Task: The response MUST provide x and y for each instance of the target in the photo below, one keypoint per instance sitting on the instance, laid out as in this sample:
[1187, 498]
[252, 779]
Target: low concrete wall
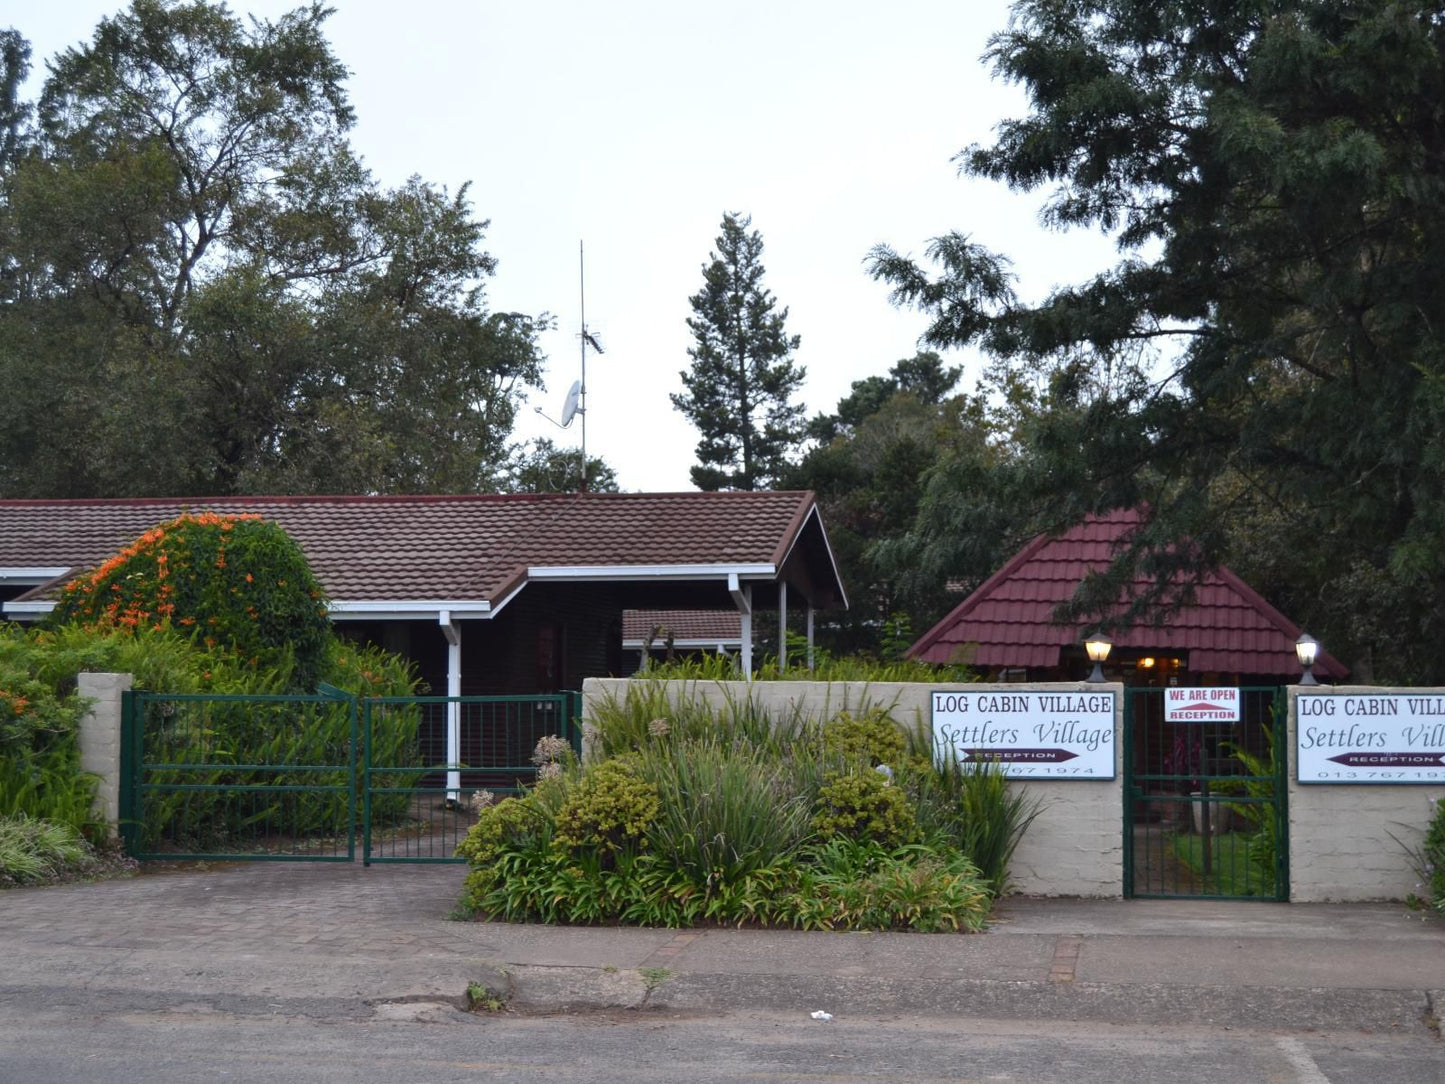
[1074, 847]
[1347, 840]
[100, 738]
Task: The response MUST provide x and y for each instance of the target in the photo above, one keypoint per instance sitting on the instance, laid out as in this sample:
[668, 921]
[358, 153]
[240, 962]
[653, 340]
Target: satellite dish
[569, 408]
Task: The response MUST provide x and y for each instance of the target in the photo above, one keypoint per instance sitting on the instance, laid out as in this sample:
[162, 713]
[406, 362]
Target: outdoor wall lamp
[1306, 650]
[1098, 650]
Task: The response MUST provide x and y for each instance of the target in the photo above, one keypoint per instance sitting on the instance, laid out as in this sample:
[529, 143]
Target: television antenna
[575, 404]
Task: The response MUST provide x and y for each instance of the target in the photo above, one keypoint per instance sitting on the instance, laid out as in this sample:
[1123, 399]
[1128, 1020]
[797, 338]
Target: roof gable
[1229, 628]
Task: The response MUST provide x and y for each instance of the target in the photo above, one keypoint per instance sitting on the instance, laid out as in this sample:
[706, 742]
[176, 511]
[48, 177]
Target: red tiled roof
[686, 626]
[1228, 629]
[440, 547]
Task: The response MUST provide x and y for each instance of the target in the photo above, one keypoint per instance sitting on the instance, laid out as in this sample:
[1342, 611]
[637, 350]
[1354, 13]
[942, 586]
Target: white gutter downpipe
[743, 598]
[782, 626]
[454, 708]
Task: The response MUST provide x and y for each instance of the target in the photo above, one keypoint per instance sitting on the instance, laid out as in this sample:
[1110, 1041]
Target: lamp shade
[1097, 648]
[1306, 650]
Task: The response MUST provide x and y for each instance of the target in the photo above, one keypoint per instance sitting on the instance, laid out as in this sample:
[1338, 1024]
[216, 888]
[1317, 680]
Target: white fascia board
[827, 547]
[513, 593]
[650, 572]
[399, 610]
[32, 574]
[410, 610]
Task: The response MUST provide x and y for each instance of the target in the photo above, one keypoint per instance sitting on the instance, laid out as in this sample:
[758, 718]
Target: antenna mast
[588, 339]
[582, 397]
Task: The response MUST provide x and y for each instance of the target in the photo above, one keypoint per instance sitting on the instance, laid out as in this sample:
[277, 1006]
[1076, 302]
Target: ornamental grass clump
[34, 851]
[1428, 859]
[723, 812]
[653, 711]
[236, 581]
[969, 806]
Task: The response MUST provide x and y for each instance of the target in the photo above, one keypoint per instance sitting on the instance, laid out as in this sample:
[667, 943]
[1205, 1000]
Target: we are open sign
[1201, 705]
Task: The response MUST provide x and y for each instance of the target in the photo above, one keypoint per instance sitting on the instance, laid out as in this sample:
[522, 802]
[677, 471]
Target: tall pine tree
[742, 379]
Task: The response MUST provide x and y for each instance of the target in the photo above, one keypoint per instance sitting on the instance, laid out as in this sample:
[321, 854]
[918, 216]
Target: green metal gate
[298, 777]
[1204, 802]
[239, 777]
[427, 759]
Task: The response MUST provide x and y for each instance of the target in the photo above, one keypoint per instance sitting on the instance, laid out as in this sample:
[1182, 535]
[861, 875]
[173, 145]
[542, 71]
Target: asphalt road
[419, 1041]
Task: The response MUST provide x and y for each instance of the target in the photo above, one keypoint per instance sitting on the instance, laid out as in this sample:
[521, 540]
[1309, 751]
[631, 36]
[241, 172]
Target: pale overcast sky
[632, 126]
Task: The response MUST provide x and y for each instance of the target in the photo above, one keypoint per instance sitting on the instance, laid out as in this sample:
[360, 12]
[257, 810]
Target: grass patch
[1233, 869]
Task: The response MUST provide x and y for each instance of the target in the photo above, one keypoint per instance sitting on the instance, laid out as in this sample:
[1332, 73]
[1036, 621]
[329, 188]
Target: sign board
[1201, 705]
[1370, 738]
[1030, 734]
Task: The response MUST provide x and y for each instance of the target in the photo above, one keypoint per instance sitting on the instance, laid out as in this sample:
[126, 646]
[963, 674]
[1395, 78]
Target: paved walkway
[344, 942]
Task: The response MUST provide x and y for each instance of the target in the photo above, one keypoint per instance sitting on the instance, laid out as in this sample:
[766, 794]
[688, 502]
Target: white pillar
[748, 633]
[810, 634]
[454, 709]
[782, 626]
[743, 600]
[100, 752]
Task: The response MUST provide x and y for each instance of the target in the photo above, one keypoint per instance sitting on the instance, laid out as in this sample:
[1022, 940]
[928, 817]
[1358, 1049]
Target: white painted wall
[1347, 840]
[100, 738]
[1073, 848]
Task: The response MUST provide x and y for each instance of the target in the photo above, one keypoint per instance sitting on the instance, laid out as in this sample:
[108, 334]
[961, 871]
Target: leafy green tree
[542, 467]
[742, 379]
[869, 470]
[205, 291]
[922, 376]
[1262, 369]
[14, 113]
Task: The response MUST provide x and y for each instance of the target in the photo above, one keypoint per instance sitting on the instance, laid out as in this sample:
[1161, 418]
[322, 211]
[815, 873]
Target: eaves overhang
[615, 573]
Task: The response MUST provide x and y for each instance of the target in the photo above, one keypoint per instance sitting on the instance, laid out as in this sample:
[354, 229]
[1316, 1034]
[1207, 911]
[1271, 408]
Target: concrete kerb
[344, 943]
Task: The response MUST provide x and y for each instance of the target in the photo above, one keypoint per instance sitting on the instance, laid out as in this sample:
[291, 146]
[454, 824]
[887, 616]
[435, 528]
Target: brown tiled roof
[439, 547]
[712, 626]
[1228, 629]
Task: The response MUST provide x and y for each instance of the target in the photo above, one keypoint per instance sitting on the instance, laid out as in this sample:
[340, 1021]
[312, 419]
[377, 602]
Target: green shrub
[864, 805]
[1428, 858]
[1434, 851]
[522, 825]
[608, 810]
[235, 581]
[842, 885]
[40, 776]
[723, 811]
[971, 806]
[861, 884]
[39, 711]
[1262, 846]
[868, 738]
